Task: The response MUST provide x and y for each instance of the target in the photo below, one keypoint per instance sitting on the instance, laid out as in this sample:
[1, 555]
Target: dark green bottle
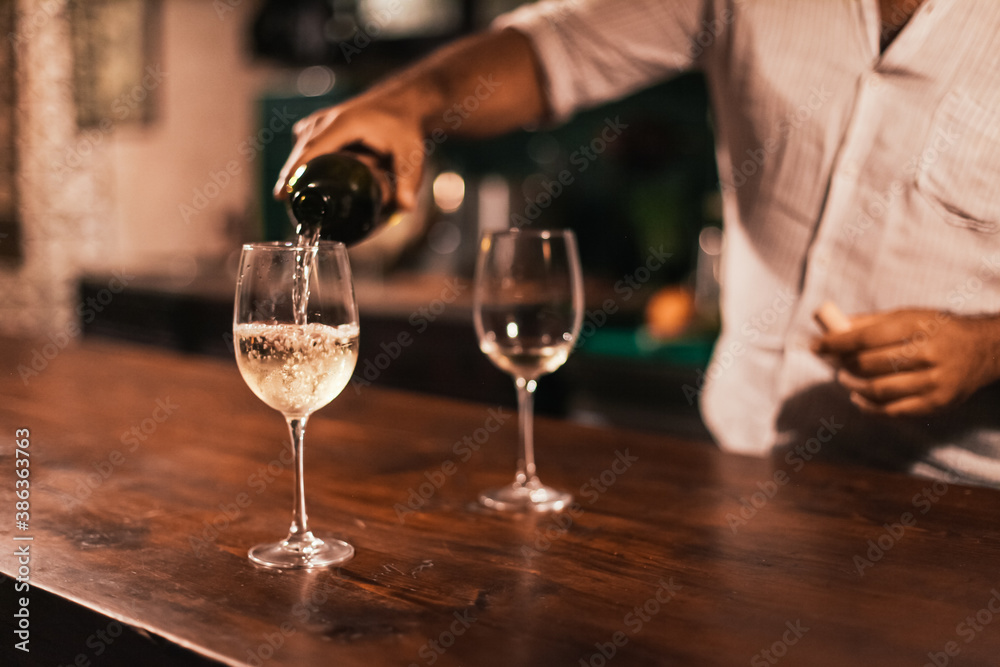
[344, 196]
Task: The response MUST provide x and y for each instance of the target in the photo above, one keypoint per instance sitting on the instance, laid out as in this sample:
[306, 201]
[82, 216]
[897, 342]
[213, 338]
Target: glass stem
[525, 418]
[299, 530]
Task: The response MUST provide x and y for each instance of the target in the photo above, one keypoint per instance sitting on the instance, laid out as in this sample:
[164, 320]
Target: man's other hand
[913, 362]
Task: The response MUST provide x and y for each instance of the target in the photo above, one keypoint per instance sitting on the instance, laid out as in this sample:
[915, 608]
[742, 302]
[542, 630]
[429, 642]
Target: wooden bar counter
[151, 473]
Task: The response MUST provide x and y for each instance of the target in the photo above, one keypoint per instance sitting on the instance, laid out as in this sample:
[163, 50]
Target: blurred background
[140, 139]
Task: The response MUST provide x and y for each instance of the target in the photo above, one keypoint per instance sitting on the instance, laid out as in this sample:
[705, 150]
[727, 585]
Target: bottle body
[343, 196]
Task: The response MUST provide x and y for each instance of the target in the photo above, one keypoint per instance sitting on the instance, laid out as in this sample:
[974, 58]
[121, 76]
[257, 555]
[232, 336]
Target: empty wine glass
[295, 330]
[527, 310]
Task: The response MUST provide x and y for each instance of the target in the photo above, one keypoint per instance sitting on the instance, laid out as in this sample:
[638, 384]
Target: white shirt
[868, 179]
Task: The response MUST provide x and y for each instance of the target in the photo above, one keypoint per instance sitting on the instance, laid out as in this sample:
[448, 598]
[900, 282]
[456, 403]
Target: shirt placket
[855, 180]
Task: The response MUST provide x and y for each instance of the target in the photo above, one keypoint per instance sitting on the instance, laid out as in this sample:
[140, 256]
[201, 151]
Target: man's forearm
[480, 86]
[991, 348]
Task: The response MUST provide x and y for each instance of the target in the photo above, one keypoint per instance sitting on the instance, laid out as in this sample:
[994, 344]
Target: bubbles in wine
[296, 369]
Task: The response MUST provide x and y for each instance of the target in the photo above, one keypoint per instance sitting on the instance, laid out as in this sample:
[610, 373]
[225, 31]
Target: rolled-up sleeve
[593, 51]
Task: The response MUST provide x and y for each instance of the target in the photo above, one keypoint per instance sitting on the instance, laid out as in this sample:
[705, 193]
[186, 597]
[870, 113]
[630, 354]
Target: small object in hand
[831, 318]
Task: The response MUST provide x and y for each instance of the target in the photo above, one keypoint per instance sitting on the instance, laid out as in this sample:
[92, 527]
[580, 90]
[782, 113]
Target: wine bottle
[342, 196]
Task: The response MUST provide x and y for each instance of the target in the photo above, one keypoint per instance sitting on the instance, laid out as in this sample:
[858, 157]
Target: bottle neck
[342, 196]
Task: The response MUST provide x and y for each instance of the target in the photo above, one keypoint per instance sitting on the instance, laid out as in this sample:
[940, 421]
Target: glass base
[526, 498]
[305, 552]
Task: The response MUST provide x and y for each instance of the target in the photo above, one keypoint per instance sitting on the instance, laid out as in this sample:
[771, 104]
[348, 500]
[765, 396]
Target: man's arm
[497, 68]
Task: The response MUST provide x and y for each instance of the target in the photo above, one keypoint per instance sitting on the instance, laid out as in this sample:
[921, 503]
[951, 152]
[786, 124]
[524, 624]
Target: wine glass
[527, 310]
[295, 331]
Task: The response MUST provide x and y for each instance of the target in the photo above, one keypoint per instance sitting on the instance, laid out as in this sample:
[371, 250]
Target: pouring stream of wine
[307, 245]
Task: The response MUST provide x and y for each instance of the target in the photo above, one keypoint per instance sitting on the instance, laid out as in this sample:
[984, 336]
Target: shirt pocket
[958, 172]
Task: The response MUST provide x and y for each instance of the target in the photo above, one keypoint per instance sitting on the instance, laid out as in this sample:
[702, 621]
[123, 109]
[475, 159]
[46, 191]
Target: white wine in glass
[295, 331]
[527, 310]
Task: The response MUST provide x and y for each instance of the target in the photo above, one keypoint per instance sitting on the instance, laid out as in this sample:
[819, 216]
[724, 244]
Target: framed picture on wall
[10, 242]
[115, 78]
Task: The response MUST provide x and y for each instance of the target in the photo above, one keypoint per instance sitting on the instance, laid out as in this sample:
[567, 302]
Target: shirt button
[873, 81]
[849, 168]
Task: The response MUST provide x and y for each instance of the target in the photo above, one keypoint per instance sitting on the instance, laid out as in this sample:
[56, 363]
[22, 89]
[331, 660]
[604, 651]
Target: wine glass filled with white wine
[295, 330]
[528, 308]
